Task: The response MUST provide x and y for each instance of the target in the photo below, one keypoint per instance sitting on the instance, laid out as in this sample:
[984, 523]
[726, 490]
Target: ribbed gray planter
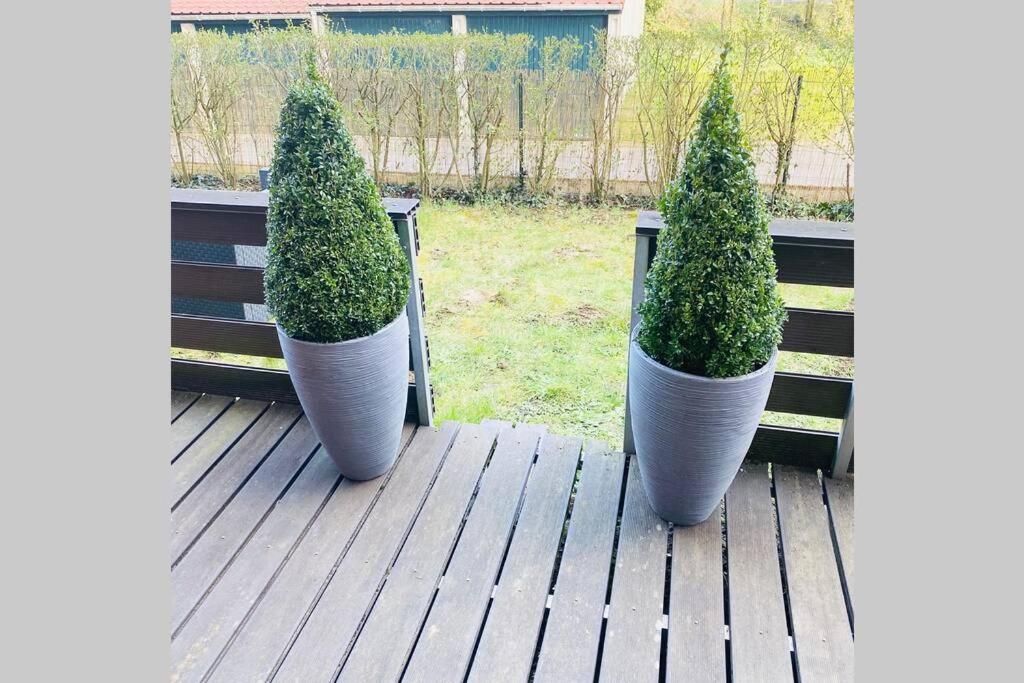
[691, 432]
[354, 394]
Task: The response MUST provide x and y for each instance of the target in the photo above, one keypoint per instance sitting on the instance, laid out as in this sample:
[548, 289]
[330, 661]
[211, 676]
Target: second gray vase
[691, 433]
[354, 394]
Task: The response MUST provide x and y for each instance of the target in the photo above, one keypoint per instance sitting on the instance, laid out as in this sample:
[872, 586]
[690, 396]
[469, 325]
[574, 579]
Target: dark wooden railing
[807, 253]
[239, 218]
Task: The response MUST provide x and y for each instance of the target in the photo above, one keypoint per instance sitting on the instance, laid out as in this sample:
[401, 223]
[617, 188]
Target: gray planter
[354, 394]
[691, 432]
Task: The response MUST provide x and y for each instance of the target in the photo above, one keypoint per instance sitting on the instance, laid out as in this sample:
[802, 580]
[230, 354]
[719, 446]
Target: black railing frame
[808, 252]
[228, 217]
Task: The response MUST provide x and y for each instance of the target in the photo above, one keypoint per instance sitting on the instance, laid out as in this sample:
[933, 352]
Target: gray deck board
[840, 504]
[205, 501]
[193, 421]
[696, 616]
[632, 643]
[341, 596]
[758, 635]
[205, 451]
[509, 638]
[568, 651]
[330, 628]
[197, 569]
[450, 631]
[180, 400]
[821, 627]
[487, 554]
[197, 644]
[387, 637]
[247, 593]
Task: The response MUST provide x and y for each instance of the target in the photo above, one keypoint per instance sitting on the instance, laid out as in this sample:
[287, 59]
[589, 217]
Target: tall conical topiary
[335, 268]
[711, 307]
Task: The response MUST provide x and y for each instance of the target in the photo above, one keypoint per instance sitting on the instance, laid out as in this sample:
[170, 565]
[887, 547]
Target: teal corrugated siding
[541, 26]
[372, 24]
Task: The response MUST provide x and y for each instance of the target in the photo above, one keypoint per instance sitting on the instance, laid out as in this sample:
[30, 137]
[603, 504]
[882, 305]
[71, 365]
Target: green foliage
[492, 65]
[670, 84]
[335, 269]
[651, 10]
[788, 206]
[213, 61]
[444, 108]
[711, 304]
[545, 95]
[429, 84]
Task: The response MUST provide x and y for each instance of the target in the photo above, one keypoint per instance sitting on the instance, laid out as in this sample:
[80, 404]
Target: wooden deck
[489, 553]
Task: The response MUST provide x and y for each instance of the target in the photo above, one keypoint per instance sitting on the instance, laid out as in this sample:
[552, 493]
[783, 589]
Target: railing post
[641, 259]
[844, 450]
[406, 229]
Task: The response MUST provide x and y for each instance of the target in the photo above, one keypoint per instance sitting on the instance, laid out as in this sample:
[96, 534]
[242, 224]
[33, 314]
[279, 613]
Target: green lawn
[527, 316]
[527, 313]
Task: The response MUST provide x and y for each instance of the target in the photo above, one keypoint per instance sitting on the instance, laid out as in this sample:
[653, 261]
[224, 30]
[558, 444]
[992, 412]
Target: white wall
[631, 22]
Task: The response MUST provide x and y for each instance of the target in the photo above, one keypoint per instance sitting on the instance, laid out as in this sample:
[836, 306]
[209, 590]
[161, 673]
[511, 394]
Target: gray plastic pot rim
[698, 378]
[379, 333]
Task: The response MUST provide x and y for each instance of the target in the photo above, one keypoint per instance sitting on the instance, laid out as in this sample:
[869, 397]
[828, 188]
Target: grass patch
[528, 310]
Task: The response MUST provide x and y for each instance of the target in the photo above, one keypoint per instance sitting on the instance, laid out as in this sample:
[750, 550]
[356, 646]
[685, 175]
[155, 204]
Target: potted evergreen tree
[337, 283]
[703, 354]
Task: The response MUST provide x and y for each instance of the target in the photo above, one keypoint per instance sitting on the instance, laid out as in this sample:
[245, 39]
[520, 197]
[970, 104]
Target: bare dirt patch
[583, 315]
[573, 251]
[475, 297]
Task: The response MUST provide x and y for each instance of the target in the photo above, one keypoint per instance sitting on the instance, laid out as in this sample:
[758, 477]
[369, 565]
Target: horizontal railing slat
[213, 226]
[227, 217]
[801, 264]
[797, 231]
[246, 382]
[806, 252]
[815, 331]
[809, 395]
[224, 335]
[227, 335]
[807, 330]
[791, 446]
[217, 282]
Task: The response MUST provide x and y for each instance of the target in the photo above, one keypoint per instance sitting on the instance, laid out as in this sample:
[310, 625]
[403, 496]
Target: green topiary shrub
[711, 305]
[335, 268]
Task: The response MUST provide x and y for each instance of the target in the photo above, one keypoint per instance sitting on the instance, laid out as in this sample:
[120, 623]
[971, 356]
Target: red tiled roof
[463, 3]
[249, 7]
[196, 7]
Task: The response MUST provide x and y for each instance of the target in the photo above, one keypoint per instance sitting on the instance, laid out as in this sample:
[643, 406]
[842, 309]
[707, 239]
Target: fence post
[406, 229]
[522, 139]
[844, 450]
[641, 260]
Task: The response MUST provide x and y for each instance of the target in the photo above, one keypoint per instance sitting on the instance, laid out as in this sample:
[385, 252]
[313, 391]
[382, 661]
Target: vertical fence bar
[522, 133]
[406, 229]
[641, 262]
[844, 450]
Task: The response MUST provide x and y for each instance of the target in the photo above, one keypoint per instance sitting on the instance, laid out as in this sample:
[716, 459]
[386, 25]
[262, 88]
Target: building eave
[236, 17]
[461, 9]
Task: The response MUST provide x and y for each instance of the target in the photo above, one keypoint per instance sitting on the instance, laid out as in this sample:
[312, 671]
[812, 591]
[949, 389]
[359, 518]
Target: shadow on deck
[493, 553]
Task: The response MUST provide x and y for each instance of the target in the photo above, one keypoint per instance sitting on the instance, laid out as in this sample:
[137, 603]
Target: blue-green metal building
[540, 20]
